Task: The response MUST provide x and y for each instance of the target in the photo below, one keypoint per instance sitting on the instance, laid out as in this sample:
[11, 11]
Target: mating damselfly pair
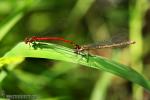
[112, 43]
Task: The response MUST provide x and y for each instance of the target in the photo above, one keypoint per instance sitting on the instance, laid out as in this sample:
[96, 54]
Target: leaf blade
[57, 52]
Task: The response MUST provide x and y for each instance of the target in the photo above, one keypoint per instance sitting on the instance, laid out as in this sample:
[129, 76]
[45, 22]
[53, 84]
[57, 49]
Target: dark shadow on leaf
[42, 45]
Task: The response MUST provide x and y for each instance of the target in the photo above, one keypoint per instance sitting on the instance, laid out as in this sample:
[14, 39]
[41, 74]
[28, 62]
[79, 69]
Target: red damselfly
[35, 38]
[113, 43]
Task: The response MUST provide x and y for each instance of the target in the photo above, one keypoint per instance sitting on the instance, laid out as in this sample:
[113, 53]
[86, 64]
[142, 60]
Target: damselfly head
[26, 40]
[78, 49]
[29, 40]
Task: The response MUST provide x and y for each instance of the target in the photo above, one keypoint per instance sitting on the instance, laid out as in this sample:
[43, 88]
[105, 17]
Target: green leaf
[57, 52]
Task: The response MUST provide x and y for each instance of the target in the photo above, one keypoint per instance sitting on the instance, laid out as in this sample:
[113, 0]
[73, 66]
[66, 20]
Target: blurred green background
[82, 21]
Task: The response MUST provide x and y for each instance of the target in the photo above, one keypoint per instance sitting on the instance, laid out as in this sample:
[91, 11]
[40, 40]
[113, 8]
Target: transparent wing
[116, 41]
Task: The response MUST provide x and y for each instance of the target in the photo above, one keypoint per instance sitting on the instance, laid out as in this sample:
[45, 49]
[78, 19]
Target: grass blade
[57, 52]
